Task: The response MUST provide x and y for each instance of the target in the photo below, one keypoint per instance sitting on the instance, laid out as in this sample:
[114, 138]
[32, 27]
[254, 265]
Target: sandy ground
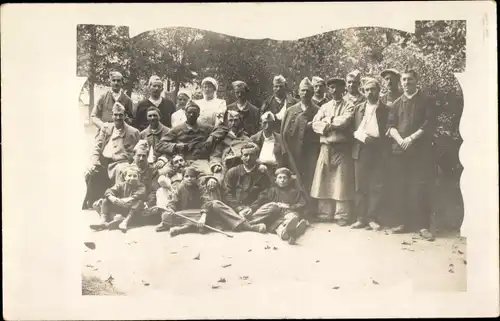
[327, 257]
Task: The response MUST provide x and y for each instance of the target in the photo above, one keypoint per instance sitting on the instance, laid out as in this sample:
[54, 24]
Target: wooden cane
[209, 227]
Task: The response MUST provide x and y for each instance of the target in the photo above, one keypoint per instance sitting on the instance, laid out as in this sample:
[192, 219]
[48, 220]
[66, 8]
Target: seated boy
[189, 200]
[122, 201]
[278, 208]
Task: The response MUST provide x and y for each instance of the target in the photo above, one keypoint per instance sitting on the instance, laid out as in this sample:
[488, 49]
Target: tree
[101, 49]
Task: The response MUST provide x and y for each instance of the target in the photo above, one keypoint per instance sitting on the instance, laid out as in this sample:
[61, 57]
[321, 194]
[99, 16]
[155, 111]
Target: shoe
[426, 235]
[284, 235]
[300, 229]
[327, 218]
[98, 227]
[260, 228]
[291, 240]
[290, 224]
[358, 225]
[399, 229]
[374, 226]
[162, 227]
[342, 222]
[175, 231]
[123, 227]
[113, 224]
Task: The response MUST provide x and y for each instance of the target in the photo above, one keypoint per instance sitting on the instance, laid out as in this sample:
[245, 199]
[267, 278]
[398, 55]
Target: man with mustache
[250, 114]
[320, 97]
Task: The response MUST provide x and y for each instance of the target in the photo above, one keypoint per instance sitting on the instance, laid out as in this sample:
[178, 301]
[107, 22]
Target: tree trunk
[92, 69]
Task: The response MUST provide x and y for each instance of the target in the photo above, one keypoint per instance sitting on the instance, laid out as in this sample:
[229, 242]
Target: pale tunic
[267, 151]
[211, 111]
[178, 118]
[334, 182]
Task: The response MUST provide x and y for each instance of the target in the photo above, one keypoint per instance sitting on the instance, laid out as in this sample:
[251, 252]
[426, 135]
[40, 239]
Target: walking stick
[209, 227]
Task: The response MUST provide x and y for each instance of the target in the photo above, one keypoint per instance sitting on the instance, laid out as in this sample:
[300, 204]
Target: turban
[356, 74]
[192, 104]
[305, 84]
[115, 74]
[240, 84]
[154, 80]
[153, 108]
[234, 113]
[212, 81]
[142, 146]
[283, 170]
[190, 170]
[370, 81]
[279, 80]
[390, 71]
[118, 108]
[317, 81]
[267, 116]
[251, 147]
[185, 93]
[336, 81]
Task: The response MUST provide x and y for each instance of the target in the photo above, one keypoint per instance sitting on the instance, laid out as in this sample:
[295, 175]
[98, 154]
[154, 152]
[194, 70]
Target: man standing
[391, 83]
[333, 183]
[300, 141]
[411, 126]
[319, 97]
[166, 106]
[228, 153]
[153, 134]
[114, 144]
[279, 101]
[250, 113]
[353, 81]
[370, 153]
[102, 112]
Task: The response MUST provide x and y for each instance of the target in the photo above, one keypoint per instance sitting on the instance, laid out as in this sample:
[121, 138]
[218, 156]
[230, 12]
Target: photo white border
[42, 191]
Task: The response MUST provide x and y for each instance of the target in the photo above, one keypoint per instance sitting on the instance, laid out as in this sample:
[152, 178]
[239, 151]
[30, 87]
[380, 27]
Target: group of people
[342, 152]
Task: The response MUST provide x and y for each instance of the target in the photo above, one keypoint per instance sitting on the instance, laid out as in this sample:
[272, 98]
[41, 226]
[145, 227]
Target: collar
[151, 131]
[408, 97]
[320, 99]
[247, 170]
[266, 137]
[243, 107]
[120, 132]
[155, 102]
[118, 94]
[193, 128]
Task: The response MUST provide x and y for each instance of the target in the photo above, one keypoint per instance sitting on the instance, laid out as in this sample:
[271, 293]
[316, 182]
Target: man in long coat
[279, 102]
[300, 141]
[333, 183]
[391, 83]
[250, 114]
[370, 153]
[411, 126]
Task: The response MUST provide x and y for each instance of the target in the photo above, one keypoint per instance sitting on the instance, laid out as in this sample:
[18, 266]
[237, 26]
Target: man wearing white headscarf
[212, 109]
[102, 112]
[166, 106]
[179, 117]
[279, 101]
[301, 143]
[333, 184]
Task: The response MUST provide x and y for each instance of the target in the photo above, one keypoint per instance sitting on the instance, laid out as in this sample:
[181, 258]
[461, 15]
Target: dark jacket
[251, 117]
[166, 107]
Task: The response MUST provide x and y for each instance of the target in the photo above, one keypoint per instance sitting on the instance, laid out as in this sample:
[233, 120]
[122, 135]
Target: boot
[259, 228]
[162, 227]
[300, 228]
[359, 224]
[176, 230]
[100, 226]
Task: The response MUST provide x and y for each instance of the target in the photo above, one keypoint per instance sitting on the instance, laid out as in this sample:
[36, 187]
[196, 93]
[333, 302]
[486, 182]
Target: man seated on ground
[227, 153]
[280, 208]
[153, 134]
[272, 154]
[188, 200]
[242, 186]
[114, 144]
[195, 141]
[122, 201]
[148, 174]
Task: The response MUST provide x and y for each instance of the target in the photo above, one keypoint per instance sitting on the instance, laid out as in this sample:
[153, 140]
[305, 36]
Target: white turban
[154, 79]
[212, 81]
[279, 80]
